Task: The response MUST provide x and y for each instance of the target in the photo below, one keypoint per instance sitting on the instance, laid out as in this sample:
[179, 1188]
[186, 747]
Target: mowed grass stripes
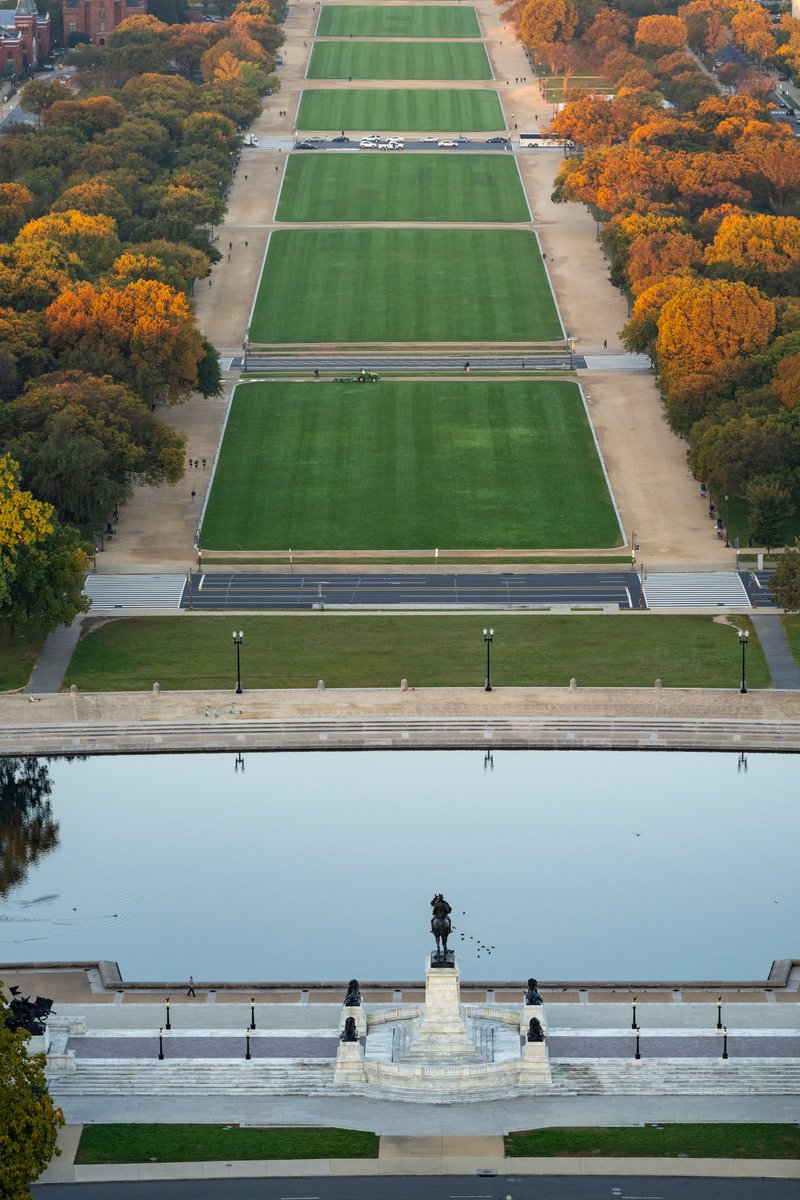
[398, 20]
[409, 465]
[399, 60]
[402, 187]
[401, 110]
[404, 285]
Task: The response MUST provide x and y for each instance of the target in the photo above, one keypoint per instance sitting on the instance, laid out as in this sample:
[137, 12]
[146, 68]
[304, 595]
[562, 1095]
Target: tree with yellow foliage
[91, 239]
[548, 21]
[660, 255]
[756, 242]
[751, 28]
[709, 322]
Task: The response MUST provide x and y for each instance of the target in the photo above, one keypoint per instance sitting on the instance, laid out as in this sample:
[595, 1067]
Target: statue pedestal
[357, 1012]
[534, 1070]
[442, 1037]
[532, 1010]
[349, 1070]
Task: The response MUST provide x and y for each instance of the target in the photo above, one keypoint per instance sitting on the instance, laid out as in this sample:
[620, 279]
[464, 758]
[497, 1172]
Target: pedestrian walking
[316, 372]
[191, 991]
[246, 244]
[204, 464]
[605, 343]
[229, 256]
[230, 245]
[466, 366]
[245, 179]
[276, 167]
[194, 494]
[190, 464]
[196, 464]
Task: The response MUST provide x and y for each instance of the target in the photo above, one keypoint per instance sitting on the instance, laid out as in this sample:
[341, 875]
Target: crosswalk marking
[695, 589]
[134, 591]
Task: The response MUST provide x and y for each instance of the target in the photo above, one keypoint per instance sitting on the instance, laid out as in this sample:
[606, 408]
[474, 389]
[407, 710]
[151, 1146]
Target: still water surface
[574, 865]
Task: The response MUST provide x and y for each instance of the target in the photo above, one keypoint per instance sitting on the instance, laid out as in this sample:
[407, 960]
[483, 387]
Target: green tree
[209, 373]
[785, 582]
[771, 508]
[29, 1121]
[47, 589]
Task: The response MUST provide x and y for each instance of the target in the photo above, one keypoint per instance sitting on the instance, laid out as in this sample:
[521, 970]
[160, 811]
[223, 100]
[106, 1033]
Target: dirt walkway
[647, 467]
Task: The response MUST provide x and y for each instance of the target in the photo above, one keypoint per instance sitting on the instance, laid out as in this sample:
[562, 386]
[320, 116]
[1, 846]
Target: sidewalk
[412, 1156]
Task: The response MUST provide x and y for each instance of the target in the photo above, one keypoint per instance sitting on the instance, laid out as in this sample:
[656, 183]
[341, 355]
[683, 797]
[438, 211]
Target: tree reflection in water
[27, 827]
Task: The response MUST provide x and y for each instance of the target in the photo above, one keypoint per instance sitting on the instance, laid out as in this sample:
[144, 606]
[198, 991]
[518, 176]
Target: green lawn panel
[399, 60]
[665, 1141]
[401, 110]
[404, 285]
[402, 465]
[212, 1143]
[186, 652]
[402, 187]
[398, 21]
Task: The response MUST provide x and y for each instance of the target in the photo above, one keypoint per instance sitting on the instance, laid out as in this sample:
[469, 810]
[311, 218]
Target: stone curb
[745, 1168]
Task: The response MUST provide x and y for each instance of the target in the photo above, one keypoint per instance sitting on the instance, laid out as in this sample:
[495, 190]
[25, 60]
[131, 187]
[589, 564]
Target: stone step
[687, 1077]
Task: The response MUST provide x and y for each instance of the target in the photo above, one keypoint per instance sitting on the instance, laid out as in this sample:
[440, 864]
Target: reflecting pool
[567, 865]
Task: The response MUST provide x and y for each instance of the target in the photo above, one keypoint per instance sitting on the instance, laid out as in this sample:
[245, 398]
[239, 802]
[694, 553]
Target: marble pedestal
[349, 1070]
[532, 1010]
[357, 1012]
[442, 1039]
[534, 1071]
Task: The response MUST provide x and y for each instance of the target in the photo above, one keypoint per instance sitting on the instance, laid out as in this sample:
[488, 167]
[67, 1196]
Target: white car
[428, 139]
[446, 142]
[367, 144]
[390, 146]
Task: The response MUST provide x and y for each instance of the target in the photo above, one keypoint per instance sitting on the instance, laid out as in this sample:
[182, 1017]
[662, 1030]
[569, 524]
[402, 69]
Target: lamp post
[743, 636]
[237, 641]
[719, 1012]
[724, 1043]
[161, 1045]
[633, 1017]
[638, 1053]
[488, 637]
[252, 1012]
[247, 1053]
[166, 1001]
[727, 539]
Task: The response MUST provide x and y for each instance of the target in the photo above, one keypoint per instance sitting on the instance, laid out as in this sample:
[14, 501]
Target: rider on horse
[441, 925]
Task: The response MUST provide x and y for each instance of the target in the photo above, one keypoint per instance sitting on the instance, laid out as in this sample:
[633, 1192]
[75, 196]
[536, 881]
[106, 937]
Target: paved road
[219, 590]
[545, 1187]
[351, 364]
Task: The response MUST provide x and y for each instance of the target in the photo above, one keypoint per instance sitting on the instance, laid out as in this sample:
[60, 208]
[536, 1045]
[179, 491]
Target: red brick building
[24, 38]
[97, 18]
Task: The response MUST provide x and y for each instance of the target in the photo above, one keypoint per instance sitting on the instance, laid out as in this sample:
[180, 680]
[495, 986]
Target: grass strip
[665, 1141]
[213, 1143]
[376, 650]
[17, 658]
[398, 21]
[399, 465]
[404, 285]
[402, 187]
[401, 110]
[399, 60]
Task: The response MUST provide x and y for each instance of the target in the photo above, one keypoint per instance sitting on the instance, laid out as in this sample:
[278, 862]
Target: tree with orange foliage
[142, 333]
[547, 21]
[751, 28]
[593, 121]
[94, 197]
[790, 50]
[660, 255]
[756, 242]
[640, 333]
[710, 322]
[660, 33]
[609, 30]
[786, 382]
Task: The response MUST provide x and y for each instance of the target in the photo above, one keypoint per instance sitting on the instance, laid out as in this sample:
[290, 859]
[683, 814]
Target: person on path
[191, 991]
[194, 494]
[605, 343]
[316, 372]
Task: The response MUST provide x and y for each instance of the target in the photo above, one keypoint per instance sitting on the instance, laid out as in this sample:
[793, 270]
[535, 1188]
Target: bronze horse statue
[441, 925]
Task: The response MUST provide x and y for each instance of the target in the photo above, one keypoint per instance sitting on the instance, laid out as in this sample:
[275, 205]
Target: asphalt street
[606, 1187]
[218, 590]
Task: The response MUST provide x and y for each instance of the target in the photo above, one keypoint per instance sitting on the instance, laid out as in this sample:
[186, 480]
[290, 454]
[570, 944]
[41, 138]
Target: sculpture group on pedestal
[441, 928]
[349, 1033]
[28, 1014]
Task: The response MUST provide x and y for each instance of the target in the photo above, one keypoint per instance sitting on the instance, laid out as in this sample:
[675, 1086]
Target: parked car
[249, 140]
[428, 139]
[306, 146]
[341, 139]
[497, 141]
[447, 142]
[315, 138]
[367, 144]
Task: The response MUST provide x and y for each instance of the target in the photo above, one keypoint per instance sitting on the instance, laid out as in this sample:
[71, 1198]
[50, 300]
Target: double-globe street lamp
[488, 637]
[238, 638]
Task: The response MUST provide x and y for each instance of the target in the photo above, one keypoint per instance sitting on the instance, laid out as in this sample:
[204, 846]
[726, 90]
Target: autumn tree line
[106, 213]
[698, 190]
